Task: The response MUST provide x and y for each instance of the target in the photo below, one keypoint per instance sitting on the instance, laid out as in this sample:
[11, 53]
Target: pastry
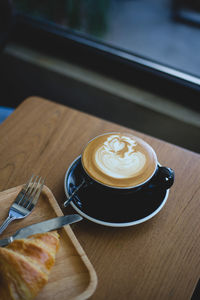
[25, 265]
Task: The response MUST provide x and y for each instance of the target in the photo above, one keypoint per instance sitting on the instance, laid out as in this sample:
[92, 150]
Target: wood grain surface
[158, 259]
[72, 276]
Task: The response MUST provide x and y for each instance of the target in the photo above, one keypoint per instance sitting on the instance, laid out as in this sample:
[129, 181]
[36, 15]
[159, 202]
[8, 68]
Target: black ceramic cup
[162, 178]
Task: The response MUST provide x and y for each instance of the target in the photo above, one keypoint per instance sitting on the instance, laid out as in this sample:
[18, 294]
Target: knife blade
[41, 227]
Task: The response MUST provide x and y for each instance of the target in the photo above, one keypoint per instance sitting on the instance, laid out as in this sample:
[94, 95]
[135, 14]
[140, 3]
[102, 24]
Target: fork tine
[25, 189]
[28, 192]
[36, 193]
[32, 187]
[33, 192]
[36, 187]
[28, 183]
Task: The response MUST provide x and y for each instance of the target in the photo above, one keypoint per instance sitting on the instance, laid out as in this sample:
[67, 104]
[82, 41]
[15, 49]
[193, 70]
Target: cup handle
[163, 179]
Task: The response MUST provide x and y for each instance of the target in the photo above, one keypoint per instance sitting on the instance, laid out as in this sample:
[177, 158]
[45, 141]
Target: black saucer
[108, 208]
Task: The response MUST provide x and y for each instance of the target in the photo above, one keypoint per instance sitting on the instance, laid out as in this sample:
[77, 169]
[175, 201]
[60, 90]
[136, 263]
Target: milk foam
[118, 158]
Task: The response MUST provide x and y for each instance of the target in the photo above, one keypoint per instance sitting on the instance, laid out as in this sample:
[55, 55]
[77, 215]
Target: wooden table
[158, 259]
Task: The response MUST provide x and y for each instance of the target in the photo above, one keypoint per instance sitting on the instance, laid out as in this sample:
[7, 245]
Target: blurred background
[133, 62]
[147, 28]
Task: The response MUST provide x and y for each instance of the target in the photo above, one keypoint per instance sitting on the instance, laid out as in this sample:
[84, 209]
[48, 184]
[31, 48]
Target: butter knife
[41, 227]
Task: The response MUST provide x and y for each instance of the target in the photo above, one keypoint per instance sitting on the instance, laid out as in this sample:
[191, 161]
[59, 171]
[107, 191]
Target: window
[154, 37]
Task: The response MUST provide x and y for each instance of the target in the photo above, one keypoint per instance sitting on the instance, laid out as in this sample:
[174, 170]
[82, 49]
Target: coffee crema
[119, 160]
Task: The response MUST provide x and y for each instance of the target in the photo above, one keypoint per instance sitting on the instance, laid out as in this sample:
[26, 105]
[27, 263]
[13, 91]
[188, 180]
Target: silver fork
[25, 201]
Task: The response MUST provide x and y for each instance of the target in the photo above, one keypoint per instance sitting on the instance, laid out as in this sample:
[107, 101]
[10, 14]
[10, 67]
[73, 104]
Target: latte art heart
[119, 160]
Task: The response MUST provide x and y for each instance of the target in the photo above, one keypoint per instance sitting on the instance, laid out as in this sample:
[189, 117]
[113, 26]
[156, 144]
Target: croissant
[25, 265]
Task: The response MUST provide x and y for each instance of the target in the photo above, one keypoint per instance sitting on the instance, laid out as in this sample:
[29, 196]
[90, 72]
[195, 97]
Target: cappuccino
[119, 160]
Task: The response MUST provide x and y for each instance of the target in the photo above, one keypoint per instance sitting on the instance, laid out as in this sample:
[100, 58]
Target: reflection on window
[85, 16]
[155, 30]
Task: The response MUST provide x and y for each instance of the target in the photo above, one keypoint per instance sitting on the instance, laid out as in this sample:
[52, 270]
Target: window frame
[107, 59]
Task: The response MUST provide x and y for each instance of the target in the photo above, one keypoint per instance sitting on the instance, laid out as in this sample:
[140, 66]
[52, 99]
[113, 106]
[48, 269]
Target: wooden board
[72, 276]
